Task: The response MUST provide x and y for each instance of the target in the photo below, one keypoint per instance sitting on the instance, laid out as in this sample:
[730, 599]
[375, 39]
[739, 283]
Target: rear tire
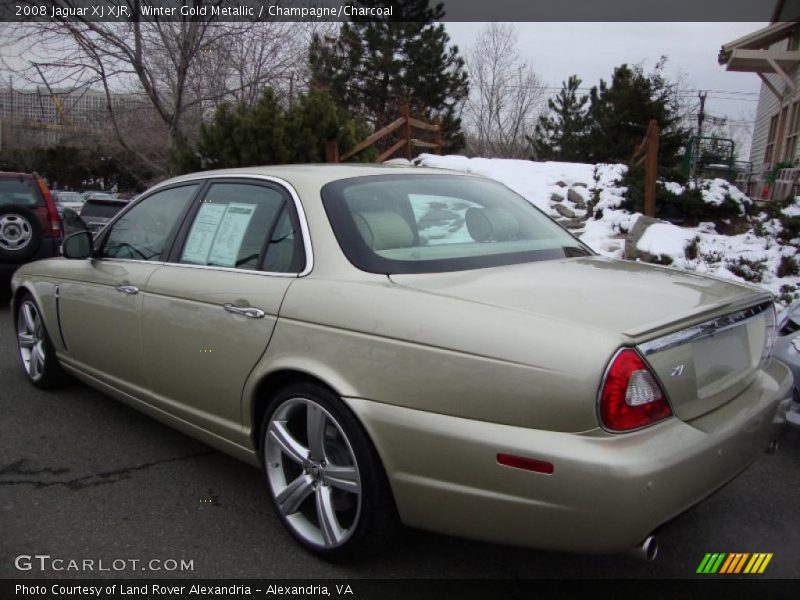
[324, 476]
[35, 350]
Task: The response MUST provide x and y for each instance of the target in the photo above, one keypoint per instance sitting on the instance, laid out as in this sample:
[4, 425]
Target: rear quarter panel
[377, 341]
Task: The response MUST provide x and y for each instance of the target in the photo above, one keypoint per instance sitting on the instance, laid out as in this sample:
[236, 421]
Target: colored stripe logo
[734, 562]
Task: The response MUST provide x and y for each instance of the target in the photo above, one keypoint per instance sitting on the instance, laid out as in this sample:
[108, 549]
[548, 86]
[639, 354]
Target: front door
[100, 305]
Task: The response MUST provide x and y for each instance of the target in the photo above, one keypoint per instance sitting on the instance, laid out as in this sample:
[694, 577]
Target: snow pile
[592, 195]
[746, 257]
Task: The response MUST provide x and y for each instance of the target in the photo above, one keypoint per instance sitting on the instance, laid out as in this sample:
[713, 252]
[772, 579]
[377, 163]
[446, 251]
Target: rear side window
[243, 226]
[22, 192]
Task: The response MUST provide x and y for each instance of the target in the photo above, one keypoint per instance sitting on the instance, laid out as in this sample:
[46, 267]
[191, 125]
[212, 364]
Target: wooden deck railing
[647, 153]
[405, 142]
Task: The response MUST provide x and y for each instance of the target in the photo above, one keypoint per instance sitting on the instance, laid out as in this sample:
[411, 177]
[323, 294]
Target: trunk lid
[639, 303]
[704, 366]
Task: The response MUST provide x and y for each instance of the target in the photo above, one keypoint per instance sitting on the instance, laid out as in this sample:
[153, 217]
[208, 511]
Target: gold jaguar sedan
[399, 345]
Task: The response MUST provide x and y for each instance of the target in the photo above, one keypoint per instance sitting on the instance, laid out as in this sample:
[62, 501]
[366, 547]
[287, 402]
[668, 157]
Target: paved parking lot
[84, 477]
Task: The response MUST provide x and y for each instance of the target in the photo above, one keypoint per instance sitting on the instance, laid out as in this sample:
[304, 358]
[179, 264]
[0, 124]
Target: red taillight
[631, 396]
[53, 226]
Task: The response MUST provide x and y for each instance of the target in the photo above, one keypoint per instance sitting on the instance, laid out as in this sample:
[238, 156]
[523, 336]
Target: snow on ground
[741, 258]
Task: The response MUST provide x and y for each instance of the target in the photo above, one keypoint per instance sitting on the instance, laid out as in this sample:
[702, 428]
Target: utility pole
[701, 116]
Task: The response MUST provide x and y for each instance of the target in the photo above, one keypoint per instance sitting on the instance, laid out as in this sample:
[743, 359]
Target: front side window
[244, 226]
[142, 233]
[434, 223]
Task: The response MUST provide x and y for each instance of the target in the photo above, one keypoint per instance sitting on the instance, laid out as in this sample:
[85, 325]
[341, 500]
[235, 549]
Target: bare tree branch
[179, 71]
[506, 95]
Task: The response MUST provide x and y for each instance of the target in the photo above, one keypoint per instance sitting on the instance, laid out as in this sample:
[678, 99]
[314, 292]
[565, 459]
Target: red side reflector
[527, 464]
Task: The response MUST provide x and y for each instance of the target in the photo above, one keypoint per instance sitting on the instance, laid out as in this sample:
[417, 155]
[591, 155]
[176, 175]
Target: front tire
[35, 350]
[324, 476]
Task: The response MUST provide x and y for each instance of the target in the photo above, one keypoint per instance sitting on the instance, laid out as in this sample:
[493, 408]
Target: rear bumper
[607, 492]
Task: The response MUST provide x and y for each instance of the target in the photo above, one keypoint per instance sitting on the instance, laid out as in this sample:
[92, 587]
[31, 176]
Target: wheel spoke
[343, 477]
[315, 423]
[28, 315]
[37, 325]
[290, 499]
[288, 444]
[332, 532]
[26, 340]
[35, 362]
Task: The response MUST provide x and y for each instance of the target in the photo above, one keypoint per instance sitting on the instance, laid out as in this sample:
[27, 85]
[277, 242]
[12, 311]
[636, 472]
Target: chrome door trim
[206, 267]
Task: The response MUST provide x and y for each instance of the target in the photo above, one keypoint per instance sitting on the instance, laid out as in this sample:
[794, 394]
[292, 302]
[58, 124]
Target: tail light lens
[52, 228]
[631, 396]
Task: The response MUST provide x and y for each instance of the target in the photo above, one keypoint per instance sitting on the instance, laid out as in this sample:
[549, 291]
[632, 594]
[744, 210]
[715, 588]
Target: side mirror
[78, 245]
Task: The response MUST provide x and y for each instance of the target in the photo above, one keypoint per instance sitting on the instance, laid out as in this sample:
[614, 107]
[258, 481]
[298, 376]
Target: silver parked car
[99, 209]
[404, 345]
[787, 350]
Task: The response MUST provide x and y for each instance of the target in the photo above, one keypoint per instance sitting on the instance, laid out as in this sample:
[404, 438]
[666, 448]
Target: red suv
[30, 227]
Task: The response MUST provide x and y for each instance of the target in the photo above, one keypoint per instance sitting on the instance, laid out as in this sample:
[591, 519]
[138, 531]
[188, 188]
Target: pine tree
[268, 133]
[374, 66]
[559, 134]
[619, 114]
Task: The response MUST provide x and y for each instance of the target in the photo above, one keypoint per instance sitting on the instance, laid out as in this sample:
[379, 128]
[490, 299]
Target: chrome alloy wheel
[30, 337]
[313, 473]
[15, 232]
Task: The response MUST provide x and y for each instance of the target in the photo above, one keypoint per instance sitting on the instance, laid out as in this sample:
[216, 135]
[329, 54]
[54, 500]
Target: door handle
[127, 289]
[247, 311]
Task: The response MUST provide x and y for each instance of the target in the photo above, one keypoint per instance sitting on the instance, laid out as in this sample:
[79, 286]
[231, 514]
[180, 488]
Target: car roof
[101, 197]
[316, 174]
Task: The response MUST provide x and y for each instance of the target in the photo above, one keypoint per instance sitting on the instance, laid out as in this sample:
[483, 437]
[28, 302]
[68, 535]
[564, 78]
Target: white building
[773, 54]
[37, 117]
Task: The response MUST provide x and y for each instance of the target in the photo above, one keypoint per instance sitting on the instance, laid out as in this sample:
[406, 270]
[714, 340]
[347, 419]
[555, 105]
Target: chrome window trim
[201, 178]
[703, 330]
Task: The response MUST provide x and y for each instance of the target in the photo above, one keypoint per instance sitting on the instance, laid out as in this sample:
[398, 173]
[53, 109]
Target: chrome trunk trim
[702, 330]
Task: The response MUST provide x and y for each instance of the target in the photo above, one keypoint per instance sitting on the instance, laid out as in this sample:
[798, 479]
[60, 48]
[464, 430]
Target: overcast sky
[592, 50]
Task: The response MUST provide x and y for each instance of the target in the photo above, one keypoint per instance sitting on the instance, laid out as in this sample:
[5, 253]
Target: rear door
[211, 311]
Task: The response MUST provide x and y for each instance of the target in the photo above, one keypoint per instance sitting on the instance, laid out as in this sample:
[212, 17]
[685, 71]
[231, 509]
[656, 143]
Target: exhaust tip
[647, 550]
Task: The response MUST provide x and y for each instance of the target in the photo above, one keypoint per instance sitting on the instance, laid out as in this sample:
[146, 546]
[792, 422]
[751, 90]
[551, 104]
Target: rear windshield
[19, 191]
[101, 208]
[435, 223]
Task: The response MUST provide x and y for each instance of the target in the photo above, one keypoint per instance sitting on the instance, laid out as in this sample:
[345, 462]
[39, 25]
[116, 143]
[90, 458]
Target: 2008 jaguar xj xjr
[411, 346]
